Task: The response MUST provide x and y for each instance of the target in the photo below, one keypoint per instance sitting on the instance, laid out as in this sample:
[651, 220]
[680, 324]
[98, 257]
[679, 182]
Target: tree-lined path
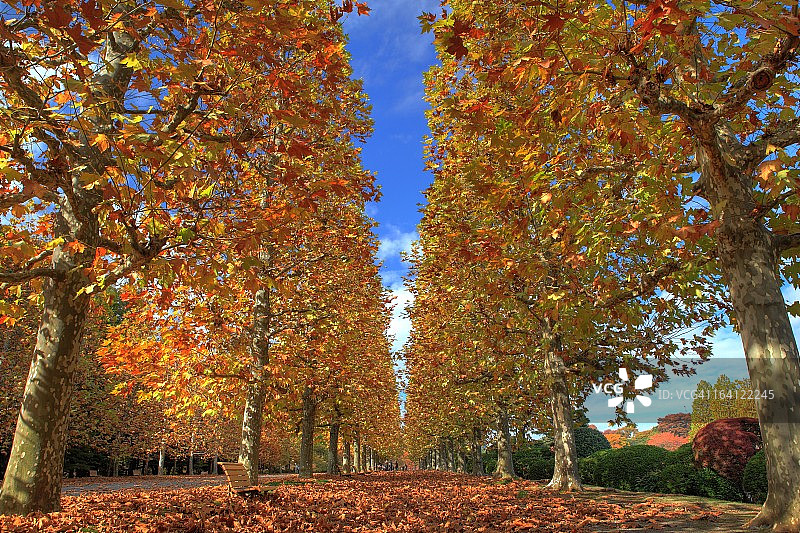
[209, 251]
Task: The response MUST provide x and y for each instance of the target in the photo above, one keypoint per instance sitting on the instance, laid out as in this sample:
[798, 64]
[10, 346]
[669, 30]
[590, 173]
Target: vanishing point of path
[83, 485]
[378, 502]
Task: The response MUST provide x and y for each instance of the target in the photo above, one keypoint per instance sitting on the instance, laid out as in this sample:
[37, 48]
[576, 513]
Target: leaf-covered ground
[384, 502]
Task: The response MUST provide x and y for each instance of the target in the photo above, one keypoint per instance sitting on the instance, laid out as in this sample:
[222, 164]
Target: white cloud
[398, 241]
[393, 279]
[400, 325]
[412, 101]
[395, 37]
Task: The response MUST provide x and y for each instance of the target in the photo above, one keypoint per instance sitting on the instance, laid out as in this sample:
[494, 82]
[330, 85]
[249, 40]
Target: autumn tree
[122, 125]
[586, 289]
[671, 88]
[726, 398]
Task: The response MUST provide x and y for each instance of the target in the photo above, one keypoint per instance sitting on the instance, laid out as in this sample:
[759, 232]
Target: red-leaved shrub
[726, 445]
[668, 441]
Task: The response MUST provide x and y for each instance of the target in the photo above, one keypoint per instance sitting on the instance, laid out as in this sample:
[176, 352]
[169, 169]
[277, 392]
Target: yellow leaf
[132, 62]
[102, 142]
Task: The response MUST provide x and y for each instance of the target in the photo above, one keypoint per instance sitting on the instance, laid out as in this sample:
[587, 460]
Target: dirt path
[695, 513]
[408, 502]
[84, 485]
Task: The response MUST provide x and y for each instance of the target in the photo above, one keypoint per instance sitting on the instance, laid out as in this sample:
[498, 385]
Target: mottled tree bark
[451, 454]
[190, 469]
[257, 388]
[307, 437]
[461, 467]
[346, 456]
[477, 456]
[333, 449]
[749, 258]
[357, 454]
[161, 458]
[565, 472]
[32, 480]
[364, 450]
[505, 462]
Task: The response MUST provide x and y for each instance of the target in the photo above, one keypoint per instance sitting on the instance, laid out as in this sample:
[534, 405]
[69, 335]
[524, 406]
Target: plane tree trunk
[346, 457]
[333, 449]
[32, 480]
[477, 456]
[252, 419]
[307, 437]
[565, 472]
[505, 462]
[749, 256]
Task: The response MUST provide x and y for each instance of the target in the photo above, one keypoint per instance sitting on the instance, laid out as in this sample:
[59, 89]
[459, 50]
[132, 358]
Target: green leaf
[186, 235]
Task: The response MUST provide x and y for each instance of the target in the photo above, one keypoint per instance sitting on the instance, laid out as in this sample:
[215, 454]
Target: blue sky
[390, 55]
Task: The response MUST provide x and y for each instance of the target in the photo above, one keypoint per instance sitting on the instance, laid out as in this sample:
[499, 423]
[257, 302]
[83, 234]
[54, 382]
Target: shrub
[490, 460]
[754, 478]
[712, 485]
[685, 478]
[678, 478]
[628, 468]
[726, 445]
[668, 441]
[679, 475]
[677, 423]
[653, 469]
[683, 455]
[641, 437]
[615, 438]
[534, 461]
[536, 469]
[590, 440]
[588, 467]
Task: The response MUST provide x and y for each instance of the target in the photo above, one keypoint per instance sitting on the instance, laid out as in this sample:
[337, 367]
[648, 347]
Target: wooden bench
[239, 481]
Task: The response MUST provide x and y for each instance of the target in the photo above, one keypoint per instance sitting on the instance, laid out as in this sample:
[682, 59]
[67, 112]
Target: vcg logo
[645, 381]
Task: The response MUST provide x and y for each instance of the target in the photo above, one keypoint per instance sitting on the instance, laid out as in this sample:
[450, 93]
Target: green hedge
[589, 440]
[754, 479]
[712, 485]
[682, 455]
[652, 469]
[534, 461]
[627, 468]
[490, 460]
[679, 478]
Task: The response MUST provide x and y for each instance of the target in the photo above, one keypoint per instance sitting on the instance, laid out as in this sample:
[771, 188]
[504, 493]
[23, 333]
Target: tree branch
[782, 135]
[787, 242]
[22, 276]
[759, 79]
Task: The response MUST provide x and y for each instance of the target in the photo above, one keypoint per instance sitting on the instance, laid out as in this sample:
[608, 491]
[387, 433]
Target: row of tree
[195, 165]
[613, 182]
